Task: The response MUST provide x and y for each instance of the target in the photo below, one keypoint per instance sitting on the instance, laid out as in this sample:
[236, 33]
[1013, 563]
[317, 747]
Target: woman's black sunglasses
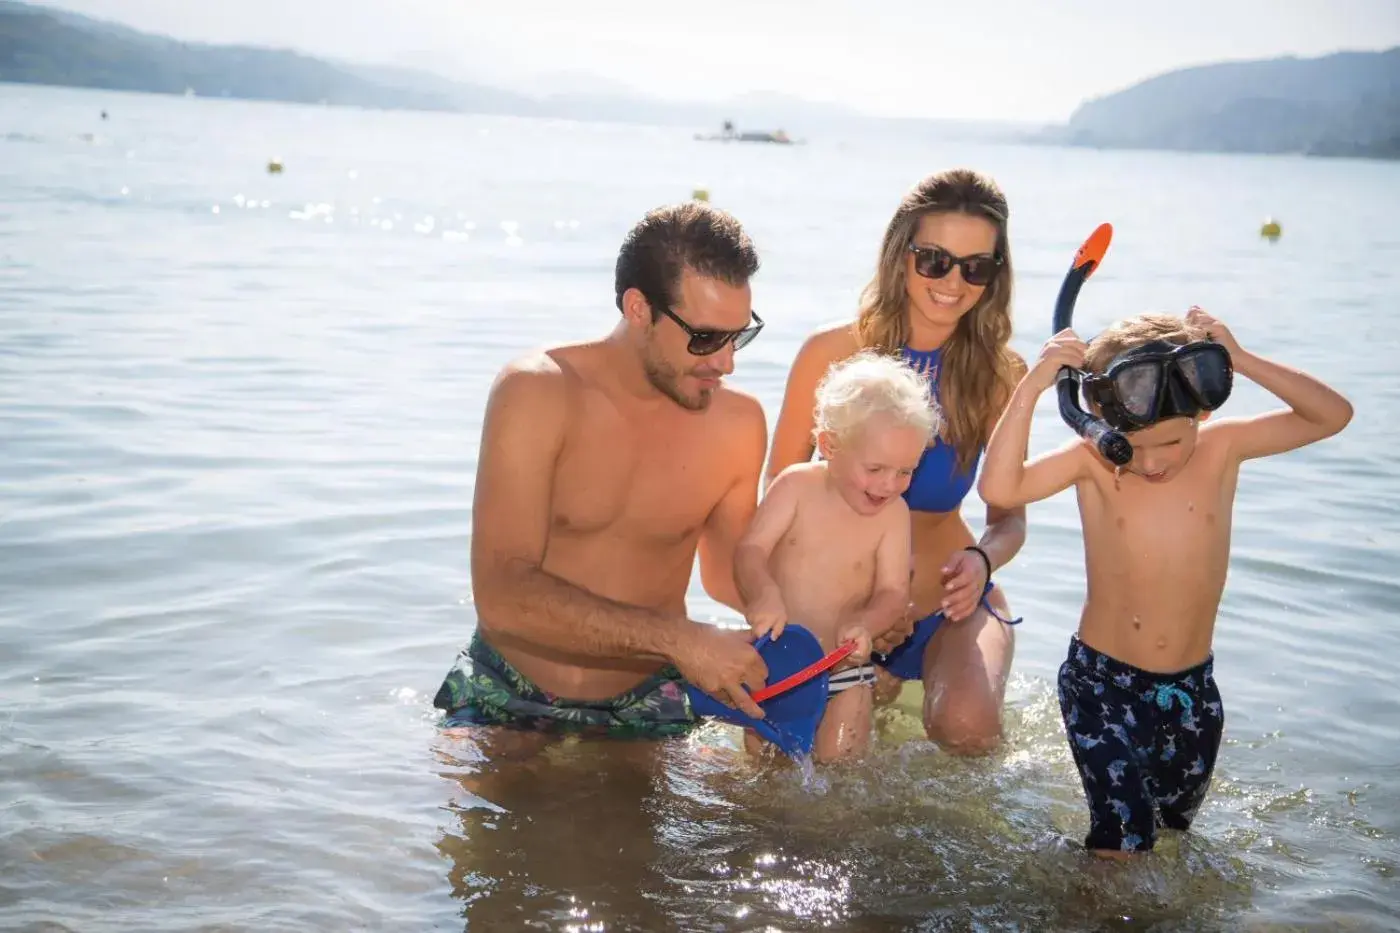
[934, 262]
[705, 342]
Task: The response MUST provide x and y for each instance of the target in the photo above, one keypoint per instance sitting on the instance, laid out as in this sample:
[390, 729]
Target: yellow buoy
[701, 194]
[1271, 229]
[274, 167]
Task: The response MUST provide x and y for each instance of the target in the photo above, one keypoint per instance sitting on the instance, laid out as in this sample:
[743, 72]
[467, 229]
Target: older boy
[1141, 709]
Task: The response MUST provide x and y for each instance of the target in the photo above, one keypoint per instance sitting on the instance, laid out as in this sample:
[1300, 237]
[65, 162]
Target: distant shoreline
[47, 46]
[1010, 133]
[1341, 105]
[1033, 138]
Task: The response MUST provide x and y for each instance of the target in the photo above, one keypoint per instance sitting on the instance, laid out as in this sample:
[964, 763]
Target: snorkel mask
[1142, 386]
[1160, 380]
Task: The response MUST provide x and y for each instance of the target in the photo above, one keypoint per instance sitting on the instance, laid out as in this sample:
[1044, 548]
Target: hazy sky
[1031, 60]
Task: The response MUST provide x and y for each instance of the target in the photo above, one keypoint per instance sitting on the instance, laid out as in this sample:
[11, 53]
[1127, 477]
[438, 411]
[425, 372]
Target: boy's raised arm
[1038, 478]
[1315, 410]
[1008, 479]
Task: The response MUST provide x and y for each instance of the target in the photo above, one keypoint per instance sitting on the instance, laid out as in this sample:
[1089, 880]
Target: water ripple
[235, 525]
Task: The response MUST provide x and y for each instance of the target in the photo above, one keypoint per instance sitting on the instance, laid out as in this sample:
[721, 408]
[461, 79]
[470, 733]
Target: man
[604, 466]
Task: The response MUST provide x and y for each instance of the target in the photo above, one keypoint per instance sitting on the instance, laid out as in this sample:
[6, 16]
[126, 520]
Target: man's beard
[666, 380]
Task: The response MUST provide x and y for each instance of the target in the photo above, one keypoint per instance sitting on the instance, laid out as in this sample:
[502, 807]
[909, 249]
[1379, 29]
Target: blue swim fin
[790, 718]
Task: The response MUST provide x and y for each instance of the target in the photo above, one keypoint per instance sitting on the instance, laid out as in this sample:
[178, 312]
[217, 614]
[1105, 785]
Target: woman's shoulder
[830, 342]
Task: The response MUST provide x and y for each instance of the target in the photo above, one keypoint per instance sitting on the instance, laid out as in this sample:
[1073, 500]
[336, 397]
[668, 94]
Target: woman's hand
[964, 581]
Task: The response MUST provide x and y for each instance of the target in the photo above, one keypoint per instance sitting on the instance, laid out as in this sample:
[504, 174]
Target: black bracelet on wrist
[977, 549]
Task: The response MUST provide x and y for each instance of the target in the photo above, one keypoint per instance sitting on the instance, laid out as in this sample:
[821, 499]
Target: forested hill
[1347, 103]
[44, 45]
[39, 45]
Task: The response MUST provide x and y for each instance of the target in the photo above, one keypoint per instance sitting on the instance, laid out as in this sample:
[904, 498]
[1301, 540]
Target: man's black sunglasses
[705, 342]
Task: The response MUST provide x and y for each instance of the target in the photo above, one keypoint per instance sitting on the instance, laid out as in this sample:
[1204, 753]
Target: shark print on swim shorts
[1144, 743]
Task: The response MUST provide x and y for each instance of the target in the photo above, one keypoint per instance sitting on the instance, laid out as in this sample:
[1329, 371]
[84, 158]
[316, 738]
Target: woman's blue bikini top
[937, 484]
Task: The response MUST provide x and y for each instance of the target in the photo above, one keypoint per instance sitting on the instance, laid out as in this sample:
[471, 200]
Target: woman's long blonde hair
[977, 370]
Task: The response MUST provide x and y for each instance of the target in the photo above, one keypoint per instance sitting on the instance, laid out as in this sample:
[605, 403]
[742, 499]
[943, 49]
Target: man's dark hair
[693, 235]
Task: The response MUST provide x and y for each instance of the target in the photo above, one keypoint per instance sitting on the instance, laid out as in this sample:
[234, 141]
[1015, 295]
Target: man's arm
[523, 432]
[893, 560]
[772, 520]
[732, 514]
[1315, 411]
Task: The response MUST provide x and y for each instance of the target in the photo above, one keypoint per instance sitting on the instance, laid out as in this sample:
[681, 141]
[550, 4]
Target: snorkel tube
[1112, 445]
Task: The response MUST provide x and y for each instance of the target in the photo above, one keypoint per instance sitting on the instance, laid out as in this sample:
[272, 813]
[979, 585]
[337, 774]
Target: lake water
[239, 415]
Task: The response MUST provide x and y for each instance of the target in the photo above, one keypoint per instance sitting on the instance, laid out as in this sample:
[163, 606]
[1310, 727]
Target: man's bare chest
[638, 480]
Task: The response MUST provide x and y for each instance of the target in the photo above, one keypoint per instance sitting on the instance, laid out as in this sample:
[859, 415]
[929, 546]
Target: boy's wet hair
[871, 384]
[1131, 333]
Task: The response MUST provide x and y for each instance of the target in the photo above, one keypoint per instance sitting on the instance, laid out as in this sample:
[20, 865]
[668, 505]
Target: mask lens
[1206, 371]
[1137, 388]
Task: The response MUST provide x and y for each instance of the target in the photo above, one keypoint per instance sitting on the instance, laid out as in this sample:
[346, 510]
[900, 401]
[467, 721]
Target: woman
[941, 297]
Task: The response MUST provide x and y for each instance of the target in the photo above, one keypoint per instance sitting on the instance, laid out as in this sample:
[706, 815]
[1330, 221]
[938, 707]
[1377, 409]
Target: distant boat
[728, 134]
